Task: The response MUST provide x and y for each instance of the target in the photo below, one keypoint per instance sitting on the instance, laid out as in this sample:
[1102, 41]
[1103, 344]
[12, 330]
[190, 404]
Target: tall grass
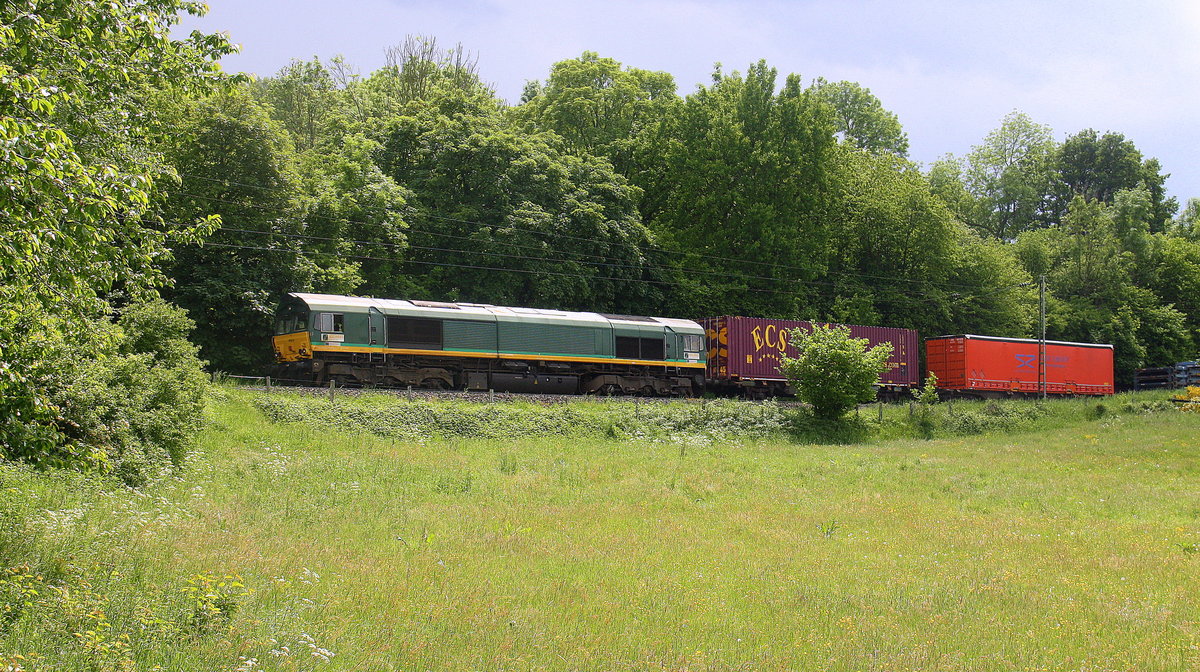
[1067, 541]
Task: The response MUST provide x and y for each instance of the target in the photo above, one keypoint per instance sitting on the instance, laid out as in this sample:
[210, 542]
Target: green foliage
[862, 119]
[833, 372]
[927, 395]
[1098, 166]
[744, 173]
[80, 171]
[991, 418]
[1112, 281]
[600, 108]
[234, 162]
[1010, 176]
[489, 199]
[417, 420]
[125, 397]
[74, 78]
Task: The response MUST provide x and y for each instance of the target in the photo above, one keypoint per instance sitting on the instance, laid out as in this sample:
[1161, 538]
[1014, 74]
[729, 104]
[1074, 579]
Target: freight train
[322, 338]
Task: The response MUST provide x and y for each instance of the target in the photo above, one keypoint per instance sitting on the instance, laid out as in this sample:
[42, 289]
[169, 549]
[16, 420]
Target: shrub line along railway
[355, 341]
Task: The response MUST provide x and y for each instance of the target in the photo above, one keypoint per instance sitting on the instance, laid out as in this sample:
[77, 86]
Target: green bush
[420, 420]
[994, 417]
[123, 396]
[833, 372]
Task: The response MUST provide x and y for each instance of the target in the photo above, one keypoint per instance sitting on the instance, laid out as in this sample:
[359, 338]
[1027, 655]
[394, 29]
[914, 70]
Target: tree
[832, 371]
[414, 70]
[744, 174]
[1187, 225]
[79, 172]
[947, 181]
[1098, 166]
[599, 107]
[503, 216]
[1100, 288]
[300, 97]
[1176, 281]
[236, 163]
[891, 244]
[1011, 177]
[861, 118]
[355, 210]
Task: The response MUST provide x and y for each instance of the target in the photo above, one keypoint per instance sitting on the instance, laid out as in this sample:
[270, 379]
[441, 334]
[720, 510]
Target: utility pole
[1042, 342]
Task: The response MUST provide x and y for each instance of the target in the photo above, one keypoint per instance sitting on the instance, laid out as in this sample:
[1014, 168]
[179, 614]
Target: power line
[927, 283]
[737, 276]
[510, 256]
[567, 236]
[313, 253]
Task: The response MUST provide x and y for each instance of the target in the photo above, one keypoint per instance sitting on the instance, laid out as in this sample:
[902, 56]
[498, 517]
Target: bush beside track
[426, 415]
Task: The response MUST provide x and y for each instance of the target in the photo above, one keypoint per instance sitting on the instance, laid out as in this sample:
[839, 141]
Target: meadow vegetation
[1061, 538]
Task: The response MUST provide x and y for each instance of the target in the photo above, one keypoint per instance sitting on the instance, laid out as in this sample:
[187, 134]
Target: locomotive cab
[292, 342]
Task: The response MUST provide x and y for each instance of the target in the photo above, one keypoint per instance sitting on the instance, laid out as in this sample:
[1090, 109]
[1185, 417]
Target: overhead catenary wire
[652, 248]
[529, 271]
[566, 236]
[736, 276]
[586, 276]
[514, 256]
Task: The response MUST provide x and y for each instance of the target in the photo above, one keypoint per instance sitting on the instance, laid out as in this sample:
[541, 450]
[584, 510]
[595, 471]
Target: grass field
[1069, 542]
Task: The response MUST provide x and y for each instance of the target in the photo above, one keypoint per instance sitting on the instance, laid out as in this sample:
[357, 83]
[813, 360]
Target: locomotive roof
[477, 311]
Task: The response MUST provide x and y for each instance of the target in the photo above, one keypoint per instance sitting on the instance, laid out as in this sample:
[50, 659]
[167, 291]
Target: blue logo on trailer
[1026, 361]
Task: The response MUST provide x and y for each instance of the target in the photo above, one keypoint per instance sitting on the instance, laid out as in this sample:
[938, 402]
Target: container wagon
[744, 354]
[992, 367]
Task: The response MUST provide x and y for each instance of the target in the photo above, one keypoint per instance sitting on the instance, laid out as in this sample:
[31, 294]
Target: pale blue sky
[949, 70]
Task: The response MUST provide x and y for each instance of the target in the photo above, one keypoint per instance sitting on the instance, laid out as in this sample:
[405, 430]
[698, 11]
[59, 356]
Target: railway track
[459, 395]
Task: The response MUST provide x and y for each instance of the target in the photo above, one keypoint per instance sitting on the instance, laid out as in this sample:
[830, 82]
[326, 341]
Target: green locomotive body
[382, 342]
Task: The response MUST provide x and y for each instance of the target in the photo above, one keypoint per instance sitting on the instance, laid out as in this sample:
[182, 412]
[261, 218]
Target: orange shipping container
[986, 364]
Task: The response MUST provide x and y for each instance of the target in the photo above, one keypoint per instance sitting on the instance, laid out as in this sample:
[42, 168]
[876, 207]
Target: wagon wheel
[609, 390]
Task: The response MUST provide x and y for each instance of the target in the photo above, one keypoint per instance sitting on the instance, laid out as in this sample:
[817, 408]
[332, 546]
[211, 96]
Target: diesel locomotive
[322, 338]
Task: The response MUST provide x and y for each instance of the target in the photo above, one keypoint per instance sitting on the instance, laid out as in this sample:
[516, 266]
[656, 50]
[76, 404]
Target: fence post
[268, 383]
[880, 405]
[331, 386]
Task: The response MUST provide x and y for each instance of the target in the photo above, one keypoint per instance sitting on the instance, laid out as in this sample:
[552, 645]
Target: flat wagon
[992, 367]
[744, 354]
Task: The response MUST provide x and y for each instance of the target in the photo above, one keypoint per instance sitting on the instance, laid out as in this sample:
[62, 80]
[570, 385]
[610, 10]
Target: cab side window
[332, 322]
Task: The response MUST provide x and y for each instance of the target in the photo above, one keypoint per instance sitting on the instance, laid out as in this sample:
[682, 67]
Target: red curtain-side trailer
[990, 366]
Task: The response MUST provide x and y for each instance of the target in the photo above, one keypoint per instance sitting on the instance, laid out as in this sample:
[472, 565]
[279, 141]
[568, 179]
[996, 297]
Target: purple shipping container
[747, 351]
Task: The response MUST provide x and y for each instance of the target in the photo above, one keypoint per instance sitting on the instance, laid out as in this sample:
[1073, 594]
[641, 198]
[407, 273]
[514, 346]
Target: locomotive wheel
[434, 384]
